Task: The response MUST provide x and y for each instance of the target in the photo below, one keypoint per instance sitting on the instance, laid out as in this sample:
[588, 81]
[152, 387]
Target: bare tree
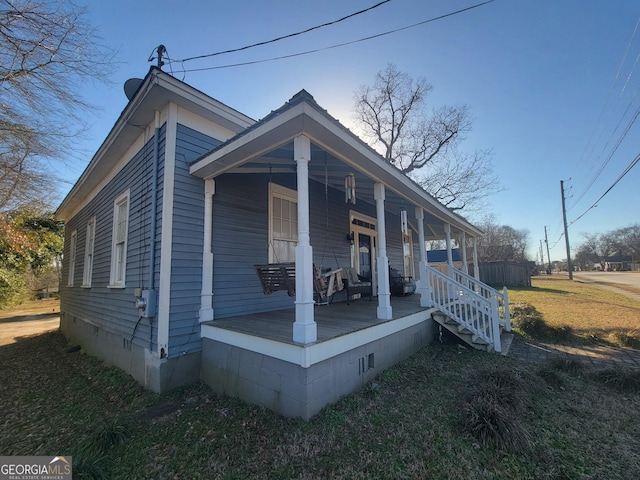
[47, 54]
[599, 247]
[501, 242]
[628, 240]
[393, 116]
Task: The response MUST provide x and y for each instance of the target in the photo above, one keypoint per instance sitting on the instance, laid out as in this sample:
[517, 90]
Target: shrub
[624, 380]
[567, 364]
[491, 422]
[529, 321]
[12, 288]
[550, 375]
[504, 385]
[563, 332]
[109, 434]
[491, 412]
[91, 466]
[522, 309]
[625, 338]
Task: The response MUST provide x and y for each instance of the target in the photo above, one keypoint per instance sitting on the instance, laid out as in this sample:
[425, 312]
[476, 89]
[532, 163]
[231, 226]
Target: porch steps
[468, 337]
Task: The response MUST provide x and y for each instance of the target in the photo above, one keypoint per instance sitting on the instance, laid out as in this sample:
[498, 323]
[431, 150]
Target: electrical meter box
[146, 302]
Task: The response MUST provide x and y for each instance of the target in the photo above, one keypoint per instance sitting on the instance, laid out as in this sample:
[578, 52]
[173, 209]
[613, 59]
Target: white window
[88, 253]
[72, 257]
[283, 224]
[119, 240]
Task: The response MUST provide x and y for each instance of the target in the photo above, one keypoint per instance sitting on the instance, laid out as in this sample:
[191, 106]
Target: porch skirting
[297, 380]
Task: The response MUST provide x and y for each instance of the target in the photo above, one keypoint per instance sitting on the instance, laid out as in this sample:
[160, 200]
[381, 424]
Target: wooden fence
[506, 274]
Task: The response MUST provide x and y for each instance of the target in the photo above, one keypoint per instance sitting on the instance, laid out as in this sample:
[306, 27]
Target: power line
[591, 138]
[616, 146]
[282, 57]
[633, 163]
[283, 37]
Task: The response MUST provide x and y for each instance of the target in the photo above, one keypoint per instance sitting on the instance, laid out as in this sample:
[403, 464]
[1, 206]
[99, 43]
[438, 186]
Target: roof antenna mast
[161, 51]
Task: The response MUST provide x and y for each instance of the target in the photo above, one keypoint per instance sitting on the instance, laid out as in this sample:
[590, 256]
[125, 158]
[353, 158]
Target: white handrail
[486, 291]
[476, 312]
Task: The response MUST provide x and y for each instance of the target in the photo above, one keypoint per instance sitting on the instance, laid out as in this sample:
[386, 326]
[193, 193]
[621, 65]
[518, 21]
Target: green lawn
[446, 413]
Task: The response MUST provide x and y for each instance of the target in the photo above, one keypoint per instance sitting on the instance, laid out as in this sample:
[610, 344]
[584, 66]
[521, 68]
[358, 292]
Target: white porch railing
[487, 292]
[479, 314]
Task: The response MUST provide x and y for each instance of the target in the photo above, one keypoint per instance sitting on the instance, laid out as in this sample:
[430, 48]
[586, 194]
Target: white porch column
[206, 295]
[305, 329]
[384, 295]
[425, 288]
[463, 246]
[476, 266]
[447, 234]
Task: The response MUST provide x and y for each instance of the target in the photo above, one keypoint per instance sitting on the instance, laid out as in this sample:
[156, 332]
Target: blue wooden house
[199, 241]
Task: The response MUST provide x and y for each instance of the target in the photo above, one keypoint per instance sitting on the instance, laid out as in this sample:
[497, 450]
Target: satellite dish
[131, 87]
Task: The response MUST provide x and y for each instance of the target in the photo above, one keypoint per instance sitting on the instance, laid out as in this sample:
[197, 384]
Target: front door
[364, 255]
[364, 247]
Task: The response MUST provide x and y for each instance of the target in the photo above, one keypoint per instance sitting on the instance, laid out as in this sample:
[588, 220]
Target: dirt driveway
[31, 318]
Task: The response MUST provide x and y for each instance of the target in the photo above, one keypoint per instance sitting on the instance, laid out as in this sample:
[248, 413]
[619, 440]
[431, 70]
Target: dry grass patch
[590, 312]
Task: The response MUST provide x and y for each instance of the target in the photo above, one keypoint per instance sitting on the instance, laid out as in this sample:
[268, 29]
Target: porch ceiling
[335, 151]
[325, 168]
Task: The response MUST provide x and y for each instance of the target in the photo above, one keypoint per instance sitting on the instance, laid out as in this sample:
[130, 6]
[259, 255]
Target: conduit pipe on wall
[154, 209]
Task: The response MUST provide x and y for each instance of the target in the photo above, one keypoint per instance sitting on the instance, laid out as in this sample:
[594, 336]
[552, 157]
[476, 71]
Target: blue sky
[545, 80]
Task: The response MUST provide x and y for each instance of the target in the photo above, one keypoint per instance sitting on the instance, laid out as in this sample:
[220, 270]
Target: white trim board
[308, 355]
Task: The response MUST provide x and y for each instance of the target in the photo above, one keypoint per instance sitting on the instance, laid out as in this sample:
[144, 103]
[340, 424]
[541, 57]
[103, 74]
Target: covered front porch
[254, 357]
[312, 190]
[307, 158]
[335, 320]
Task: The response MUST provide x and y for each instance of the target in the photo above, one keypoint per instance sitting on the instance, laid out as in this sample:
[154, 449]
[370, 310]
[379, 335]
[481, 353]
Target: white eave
[306, 117]
[156, 91]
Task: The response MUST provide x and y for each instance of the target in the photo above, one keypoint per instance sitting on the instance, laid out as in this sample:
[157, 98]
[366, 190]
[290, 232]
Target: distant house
[618, 263]
[438, 259]
[198, 240]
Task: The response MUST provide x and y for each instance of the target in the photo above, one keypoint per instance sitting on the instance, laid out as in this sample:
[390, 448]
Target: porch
[334, 320]
[254, 357]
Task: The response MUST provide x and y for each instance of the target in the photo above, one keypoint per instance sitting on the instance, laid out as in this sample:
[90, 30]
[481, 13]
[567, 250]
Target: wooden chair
[355, 284]
[325, 285]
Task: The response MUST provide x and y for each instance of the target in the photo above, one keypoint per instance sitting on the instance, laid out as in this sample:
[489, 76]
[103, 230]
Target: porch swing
[282, 275]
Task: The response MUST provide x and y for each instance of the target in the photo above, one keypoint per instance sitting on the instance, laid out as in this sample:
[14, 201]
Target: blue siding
[187, 243]
[112, 309]
[240, 239]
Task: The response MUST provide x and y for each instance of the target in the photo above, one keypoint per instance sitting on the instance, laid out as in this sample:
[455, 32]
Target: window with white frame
[88, 253]
[73, 246]
[283, 224]
[119, 240]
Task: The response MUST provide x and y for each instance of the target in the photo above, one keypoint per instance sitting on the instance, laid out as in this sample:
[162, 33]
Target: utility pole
[541, 254]
[546, 240]
[566, 231]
